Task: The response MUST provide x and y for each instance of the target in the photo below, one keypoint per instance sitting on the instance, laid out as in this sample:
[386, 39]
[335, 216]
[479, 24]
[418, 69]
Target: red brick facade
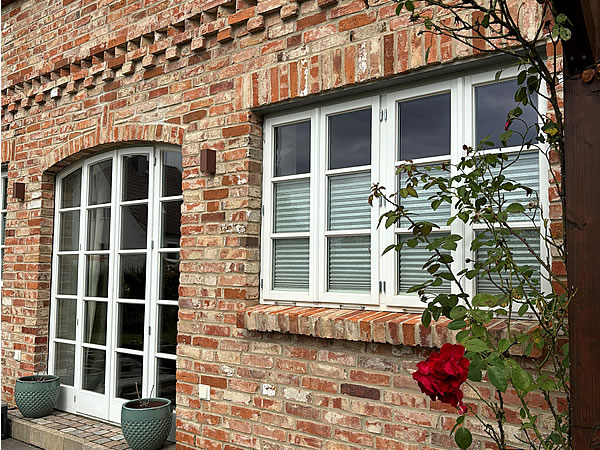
[82, 75]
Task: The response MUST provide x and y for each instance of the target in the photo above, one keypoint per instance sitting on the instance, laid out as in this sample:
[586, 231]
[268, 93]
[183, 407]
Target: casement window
[320, 241]
[3, 201]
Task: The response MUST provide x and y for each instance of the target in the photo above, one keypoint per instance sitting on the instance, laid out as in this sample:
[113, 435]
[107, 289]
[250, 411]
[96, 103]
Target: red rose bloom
[442, 374]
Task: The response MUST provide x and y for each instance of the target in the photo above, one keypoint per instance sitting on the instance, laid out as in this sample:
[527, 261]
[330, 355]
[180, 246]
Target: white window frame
[384, 280]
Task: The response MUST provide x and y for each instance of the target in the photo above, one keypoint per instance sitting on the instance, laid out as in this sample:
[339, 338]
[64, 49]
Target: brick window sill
[352, 325]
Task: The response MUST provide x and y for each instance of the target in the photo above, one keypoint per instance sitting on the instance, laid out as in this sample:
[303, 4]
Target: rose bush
[442, 374]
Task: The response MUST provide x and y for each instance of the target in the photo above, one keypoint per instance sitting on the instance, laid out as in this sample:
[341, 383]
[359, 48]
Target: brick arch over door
[88, 143]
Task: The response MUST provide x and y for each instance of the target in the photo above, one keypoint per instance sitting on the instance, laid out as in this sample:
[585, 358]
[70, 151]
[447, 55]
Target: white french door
[115, 279]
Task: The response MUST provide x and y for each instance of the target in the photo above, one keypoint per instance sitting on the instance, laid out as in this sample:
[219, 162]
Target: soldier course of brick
[83, 76]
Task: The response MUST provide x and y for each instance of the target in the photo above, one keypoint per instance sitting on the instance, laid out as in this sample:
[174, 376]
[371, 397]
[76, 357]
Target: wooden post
[582, 189]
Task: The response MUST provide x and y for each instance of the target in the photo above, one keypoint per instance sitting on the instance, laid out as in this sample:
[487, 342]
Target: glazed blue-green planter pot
[146, 428]
[36, 395]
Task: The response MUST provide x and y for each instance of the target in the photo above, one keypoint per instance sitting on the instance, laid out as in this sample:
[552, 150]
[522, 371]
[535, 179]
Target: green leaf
[497, 376]
[457, 325]
[503, 345]
[462, 335]
[476, 345]
[409, 5]
[483, 299]
[520, 379]
[561, 18]
[522, 77]
[463, 438]
[426, 318]
[523, 309]
[458, 312]
[515, 208]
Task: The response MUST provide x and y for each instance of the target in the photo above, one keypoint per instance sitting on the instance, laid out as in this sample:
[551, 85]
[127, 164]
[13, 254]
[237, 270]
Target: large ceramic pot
[36, 395]
[146, 423]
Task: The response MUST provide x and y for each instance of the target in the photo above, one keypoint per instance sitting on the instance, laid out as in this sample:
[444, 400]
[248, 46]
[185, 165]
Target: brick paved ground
[64, 425]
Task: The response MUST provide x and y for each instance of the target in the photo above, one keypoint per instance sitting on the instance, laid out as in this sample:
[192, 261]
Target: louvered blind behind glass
[348, 201]
[411, 272]
[521, 256]
[523, 169]
[421, 206]
[349, 264]
[290, 264]
[292, 206]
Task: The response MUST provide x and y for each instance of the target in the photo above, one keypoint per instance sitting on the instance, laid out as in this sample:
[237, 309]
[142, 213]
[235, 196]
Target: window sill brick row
[359, 325]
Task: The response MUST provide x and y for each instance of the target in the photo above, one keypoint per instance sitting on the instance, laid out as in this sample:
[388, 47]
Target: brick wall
[82, 75]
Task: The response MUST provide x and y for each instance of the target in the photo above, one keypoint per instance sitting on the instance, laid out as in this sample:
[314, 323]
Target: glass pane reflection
[71, 190]
[169, 276]
[64, 363]
[350, 139]
[67, 274]
[134, 226]
[166, 373]
[133, 277]
[135, 177]
[94, 370]
[167, 328]
[171, 224]
[98, 229]
[66, 315]
[95, 323]
[96, 282]
[129, 373]
[131, 326]
[172, 168]
[69, 231]
[100, 182]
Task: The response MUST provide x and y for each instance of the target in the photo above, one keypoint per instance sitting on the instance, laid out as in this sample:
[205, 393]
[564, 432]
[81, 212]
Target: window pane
[98, 229]
[133, 277]
[290, 264]
[523, 169]
[420, 206]
[96, 276]
[172, 168]
[71, 190]
[169, 276]
[94, 370]
[95, 323]
[349, 207]
[521, 256]
[64, 363]
[492, 104]
[350, 139]
[410, 267]
[171, 224]
[66, 315]
[424, 127]
[166, 373]
[67, 274]
[167, 328]
[130, 331]
[292, 206]
[349, 264]
[135, 177]
[292, 149]
[3, 230]
[69, 231]
[134, 226]
[100, 182]
[129, 373]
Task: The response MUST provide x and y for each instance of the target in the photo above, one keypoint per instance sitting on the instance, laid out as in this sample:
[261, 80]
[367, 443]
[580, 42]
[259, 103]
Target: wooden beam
[582, 188]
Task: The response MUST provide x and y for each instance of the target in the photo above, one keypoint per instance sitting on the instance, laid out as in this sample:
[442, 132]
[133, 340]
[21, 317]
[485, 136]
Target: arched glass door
[115, 279]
